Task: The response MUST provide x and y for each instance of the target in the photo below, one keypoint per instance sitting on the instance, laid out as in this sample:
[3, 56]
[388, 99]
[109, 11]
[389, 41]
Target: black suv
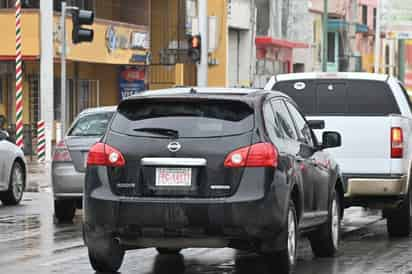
[236, 168]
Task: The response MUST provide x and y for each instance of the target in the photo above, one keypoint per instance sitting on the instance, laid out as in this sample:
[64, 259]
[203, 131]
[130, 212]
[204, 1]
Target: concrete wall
[301, 28]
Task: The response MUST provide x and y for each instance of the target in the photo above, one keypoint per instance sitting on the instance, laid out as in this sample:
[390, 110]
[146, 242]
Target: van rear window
[189, 118]
[341, 97]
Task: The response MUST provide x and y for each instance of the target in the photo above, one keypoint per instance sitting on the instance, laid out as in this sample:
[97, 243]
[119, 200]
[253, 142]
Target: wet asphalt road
[30, 242]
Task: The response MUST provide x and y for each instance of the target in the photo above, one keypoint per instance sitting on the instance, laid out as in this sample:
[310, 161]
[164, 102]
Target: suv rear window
[190, 118]
[341, 97]
[91, 124]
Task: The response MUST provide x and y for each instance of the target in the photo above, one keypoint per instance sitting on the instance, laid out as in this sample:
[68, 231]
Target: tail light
[396, 142]
[257, 155]
[61, 153]
[104, 155]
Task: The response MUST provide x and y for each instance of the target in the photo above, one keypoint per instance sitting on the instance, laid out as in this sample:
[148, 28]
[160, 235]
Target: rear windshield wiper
[161, 131]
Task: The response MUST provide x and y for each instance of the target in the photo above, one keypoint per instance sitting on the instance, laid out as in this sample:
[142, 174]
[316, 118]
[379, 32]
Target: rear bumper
[140, 222]
[66, 181]
[377, 187]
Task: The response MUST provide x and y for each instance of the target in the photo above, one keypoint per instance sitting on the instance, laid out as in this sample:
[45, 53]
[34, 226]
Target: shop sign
[115, 40]
[131, 81]
[111, 38]
[139, 58]
[138, 40]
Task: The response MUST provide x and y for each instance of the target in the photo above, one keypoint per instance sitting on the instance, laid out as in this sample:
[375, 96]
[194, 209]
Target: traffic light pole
[377, 57]
[325, 19]
[202, 68]
[63, 56]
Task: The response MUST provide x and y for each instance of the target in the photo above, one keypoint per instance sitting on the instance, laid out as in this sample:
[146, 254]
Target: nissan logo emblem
[174, 147]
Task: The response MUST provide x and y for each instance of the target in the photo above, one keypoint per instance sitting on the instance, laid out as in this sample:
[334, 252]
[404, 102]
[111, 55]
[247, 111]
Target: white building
[241, 24]
[268, 37]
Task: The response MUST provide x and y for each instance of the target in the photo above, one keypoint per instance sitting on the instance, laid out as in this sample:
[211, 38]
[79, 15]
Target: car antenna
[193, 91]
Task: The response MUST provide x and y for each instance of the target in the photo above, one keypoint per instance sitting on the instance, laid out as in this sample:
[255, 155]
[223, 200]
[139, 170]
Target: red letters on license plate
[173, 176]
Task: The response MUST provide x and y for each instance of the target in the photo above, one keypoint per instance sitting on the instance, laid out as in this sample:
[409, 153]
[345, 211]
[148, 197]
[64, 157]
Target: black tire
[284, 261]
[64, 210]
[166, 251]
[325, 240]
[398, 221]
[17, 184]
[108, 259]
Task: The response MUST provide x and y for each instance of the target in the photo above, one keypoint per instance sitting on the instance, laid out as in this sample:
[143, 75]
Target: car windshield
[191, 119]
[91, 124]
[334, 97]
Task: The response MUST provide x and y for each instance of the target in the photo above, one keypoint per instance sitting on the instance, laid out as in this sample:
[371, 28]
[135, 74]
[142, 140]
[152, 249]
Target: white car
[373, 114]
[12, 171]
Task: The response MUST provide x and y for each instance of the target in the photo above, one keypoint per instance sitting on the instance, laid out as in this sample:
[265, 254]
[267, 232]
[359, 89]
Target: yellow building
[129, 43]
[169, 28]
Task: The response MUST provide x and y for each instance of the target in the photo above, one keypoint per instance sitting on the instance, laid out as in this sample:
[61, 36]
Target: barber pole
[41, 141]
[19, 78]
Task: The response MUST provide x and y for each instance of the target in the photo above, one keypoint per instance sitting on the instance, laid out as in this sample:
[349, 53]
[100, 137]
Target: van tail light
[257, 155]
[396, 142]
[61, 153]
[104, 155]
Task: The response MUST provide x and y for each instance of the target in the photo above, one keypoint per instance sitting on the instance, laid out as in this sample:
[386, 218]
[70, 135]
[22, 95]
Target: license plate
[173, 177]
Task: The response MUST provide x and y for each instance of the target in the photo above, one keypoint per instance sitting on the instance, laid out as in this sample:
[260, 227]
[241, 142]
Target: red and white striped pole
[19, 78]
[41, 141]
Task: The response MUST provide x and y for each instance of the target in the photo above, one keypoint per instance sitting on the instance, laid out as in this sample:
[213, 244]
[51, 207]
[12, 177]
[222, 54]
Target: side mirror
[331, 139]
[316, 124]
[4, 135]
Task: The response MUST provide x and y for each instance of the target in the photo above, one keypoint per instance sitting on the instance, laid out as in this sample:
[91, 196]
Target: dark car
[209, 167]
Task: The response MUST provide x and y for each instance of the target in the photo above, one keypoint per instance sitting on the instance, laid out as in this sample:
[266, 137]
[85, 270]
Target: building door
[234, 61]
[80, 95]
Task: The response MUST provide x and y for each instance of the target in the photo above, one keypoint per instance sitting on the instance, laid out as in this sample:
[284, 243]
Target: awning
[13, 58]
[267, 42]
[336, 25]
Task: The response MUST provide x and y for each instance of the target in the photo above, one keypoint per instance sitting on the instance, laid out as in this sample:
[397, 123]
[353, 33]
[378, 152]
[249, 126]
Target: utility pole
[401, 75]
[47, 73]
[325, 36]
[63, 53]
[202, 68]
[378, 37]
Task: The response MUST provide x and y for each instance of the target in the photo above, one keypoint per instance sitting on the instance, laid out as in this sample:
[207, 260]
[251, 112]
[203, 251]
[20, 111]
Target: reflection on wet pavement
[31, 242]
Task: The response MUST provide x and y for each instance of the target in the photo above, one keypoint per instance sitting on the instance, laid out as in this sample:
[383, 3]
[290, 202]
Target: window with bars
[364, 14]
[34, 91]
[26, 4]
[2, 91]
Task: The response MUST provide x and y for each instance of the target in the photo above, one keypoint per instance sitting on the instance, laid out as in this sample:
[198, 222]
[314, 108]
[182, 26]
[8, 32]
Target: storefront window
[30, 4]
[26, 4]
[6, 4]
[82, 4]
[57, 99]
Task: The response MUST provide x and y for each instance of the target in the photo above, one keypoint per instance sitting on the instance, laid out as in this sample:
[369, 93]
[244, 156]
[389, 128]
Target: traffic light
[80, 18]
[195, 48]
